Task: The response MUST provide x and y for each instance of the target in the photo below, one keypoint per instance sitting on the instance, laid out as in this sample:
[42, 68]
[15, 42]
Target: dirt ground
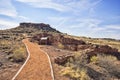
[37, 67]
[54, 52]
[7, 68]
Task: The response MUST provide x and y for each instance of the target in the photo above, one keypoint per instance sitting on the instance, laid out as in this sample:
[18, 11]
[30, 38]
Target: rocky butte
[40, 26]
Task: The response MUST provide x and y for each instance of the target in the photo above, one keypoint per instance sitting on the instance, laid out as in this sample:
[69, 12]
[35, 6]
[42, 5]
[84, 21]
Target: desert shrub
[94, 59]
[18, 55]
[75, 67]
[103, 59]
[60, 45]
[75, 73]
[80, 58]
[108, 62]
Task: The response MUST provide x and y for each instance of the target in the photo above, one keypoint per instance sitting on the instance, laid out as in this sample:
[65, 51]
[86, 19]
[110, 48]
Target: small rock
[1, 64]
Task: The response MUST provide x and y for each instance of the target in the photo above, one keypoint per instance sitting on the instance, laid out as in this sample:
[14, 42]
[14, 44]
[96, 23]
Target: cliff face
[40, 26]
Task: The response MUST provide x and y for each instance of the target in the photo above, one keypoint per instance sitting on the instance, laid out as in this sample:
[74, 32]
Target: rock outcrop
[69, 43]
[39, 26]
[103, 49]
[76, 45]
[61, 60]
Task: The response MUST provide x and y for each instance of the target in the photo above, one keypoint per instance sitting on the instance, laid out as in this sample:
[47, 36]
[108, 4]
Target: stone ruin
[76, 45]
[103, 49]
[69, 43]
[90, 50]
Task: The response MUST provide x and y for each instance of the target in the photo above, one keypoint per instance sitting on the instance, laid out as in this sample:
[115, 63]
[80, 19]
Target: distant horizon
[64, 32]
[90, 18]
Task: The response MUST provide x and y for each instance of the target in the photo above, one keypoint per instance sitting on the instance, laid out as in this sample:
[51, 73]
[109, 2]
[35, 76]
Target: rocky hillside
[33, 28]
[87, 58]
[12, 50]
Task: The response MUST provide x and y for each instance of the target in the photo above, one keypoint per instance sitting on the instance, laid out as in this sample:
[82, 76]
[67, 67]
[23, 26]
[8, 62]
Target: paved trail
[37, 67]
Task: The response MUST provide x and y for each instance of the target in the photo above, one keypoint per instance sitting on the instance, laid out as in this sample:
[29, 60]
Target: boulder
[61, 60]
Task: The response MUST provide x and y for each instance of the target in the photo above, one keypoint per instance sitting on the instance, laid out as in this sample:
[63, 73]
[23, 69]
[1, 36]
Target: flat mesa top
[33, 24]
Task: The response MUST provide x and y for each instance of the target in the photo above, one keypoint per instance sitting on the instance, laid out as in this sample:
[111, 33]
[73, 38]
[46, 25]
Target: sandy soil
[37, 67]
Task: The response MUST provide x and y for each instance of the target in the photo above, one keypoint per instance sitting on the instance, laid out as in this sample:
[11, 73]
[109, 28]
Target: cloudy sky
[92, 18]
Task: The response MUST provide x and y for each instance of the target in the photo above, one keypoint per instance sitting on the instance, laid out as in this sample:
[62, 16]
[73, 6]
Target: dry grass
[74, 69]
[108, 62]
[60, 45]
[75, 73]
[19, 54]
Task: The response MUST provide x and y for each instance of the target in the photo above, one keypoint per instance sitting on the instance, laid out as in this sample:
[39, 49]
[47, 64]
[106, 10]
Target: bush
[108, 62]
[60, 45]
[94, 59]
[80, 59]
[75, 67]
[75, 74]
[106, 59]
[18, 55]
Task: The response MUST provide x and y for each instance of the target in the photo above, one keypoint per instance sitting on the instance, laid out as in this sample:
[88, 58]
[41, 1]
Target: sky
[90, 18]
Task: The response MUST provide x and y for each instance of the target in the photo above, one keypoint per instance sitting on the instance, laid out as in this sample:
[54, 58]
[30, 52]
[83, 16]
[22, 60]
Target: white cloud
[117, 27]
[32, 0]
[23, 18]
[63, 6]
[88, 23]
[45, 4]
[58, 21]
[6, 8]
[4, 24]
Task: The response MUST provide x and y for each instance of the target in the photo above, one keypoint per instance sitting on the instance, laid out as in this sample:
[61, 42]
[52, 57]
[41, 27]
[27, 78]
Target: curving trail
[38, 66]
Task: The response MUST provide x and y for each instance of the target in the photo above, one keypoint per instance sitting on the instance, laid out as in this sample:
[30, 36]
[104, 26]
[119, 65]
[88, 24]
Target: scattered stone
[69, 43]
[76, 45]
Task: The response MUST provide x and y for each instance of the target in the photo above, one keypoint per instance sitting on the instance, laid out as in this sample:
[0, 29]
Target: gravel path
[37, 67]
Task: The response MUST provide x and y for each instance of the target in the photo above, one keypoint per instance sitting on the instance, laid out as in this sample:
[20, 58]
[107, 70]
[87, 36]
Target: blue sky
[91, 18]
